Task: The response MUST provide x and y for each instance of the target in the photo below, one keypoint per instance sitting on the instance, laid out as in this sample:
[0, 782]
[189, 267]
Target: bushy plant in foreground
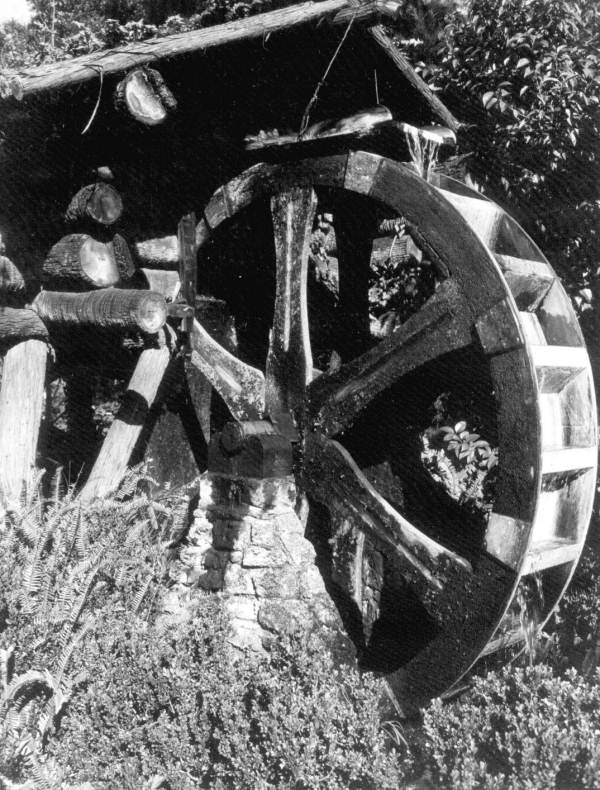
[171, 702]
[100, 688]
[520, 729]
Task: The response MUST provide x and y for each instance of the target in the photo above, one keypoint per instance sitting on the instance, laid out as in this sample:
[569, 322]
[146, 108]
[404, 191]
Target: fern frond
[141, 593]
[26, 687]
[67, 652]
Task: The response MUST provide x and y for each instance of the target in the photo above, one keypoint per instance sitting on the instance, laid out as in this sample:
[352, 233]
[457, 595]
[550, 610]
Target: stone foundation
[247, 545]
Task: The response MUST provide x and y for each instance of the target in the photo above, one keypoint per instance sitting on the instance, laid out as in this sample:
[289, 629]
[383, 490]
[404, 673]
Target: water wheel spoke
[241, 386]
[289, 361]
[335, 480]
[442, 325]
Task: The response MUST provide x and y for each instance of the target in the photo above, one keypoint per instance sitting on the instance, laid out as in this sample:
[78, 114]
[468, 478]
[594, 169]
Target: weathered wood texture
[241, 386]
[111, 308]
[335, 400]
[144, 95]
[12, 284]
[80, 262]
[160, 253]
[99, 203]
[84, 68]
[289, 361]
[20, 324]
[188, 264]
[21, 404]
[378, 33]
[123, 434]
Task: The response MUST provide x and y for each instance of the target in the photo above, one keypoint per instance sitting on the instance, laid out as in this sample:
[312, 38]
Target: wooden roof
[57, 76]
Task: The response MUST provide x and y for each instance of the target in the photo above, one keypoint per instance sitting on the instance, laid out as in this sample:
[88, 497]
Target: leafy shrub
[172, 702]
[517, 729]
[100, 688]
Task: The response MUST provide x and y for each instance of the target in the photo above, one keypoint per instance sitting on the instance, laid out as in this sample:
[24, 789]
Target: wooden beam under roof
[56, 76]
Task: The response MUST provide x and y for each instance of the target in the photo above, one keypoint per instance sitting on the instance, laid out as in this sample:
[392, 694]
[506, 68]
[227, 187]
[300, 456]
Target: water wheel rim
[514, 367]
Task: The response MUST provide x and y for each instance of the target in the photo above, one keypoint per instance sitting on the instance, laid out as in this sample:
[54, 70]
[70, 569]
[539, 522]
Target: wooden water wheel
[426, 586]
[427, 580]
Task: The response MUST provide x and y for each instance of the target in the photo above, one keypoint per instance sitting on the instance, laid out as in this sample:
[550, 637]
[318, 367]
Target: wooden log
[12, 284]
[21, 403]
[123, 434]
[98, 203]
[145, 96]
[58, 75]
[111, 308]
[160, 253]
[163, 281]
[18, 324]
[80, 262]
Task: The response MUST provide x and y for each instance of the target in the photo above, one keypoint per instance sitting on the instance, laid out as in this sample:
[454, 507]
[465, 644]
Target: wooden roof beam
[87, 67]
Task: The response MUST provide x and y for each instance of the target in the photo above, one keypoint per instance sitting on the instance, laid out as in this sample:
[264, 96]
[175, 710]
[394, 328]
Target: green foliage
[100, 686]
[518, 729]
[526, 77]
[172, 702]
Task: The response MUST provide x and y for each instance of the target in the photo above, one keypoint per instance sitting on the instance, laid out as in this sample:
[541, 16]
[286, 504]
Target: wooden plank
[289, 360]
[497, 330]
[548, 554]
[21, 404]
[164, 282]
[123, 434]
[334, 479]
[439, 327]
[529, 281]
[569, 459]
[361, 171]
[188, 265]
[556, 366]
[505, 538]
[558, 320]
[531, 328]
[519, 440]
[241, 386]
[161, 253]
[483, 216]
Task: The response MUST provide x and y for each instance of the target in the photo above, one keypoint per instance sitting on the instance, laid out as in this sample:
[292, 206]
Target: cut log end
[145, 96]
[80, 262]
[99, 203]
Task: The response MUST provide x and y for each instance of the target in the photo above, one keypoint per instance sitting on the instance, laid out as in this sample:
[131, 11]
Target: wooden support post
[21, 404]
[123, 434]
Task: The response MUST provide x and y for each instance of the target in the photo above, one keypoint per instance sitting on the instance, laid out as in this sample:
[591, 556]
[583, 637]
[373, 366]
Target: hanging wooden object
[112, 308]
[80, 262]
[97, 203]
[145, 96]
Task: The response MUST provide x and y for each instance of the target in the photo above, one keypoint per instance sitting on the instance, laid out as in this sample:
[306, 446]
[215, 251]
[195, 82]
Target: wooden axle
[110, 308]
